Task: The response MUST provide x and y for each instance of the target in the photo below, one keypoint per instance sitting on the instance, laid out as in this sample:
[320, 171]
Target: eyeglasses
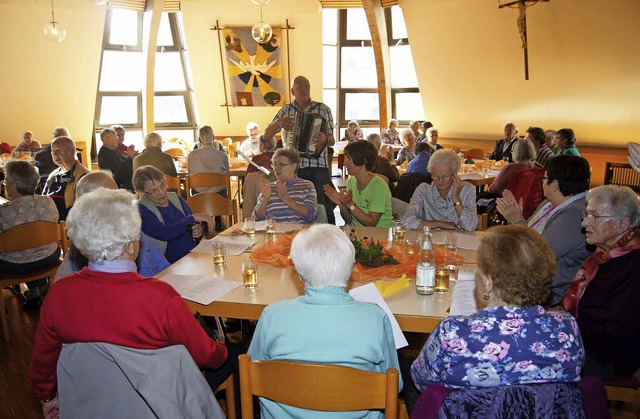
[159, 190]
[281, 165]
[592, 217]
[443, 177]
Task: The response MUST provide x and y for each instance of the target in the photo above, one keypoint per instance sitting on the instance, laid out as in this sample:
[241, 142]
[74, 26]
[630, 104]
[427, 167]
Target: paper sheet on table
[234, 245]
[202, 289]
[369, 294]
[463, 301]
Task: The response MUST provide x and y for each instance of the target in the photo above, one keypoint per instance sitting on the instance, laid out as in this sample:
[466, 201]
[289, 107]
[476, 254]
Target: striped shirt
[427, 204]
[544, 155]
[291, 110]
[301, 191]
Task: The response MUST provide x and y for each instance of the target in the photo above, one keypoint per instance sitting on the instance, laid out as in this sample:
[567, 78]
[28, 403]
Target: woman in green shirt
[566, 142]
[367, 199]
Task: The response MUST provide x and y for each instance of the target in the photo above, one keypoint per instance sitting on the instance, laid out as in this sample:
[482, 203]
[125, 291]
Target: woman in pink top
[523, 155]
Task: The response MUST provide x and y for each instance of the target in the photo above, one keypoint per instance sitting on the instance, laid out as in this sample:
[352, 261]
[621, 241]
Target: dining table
[414, 312]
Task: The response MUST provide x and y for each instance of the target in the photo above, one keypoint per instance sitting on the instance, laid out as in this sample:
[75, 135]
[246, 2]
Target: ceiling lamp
[261, 31]
[53, 30]
[98, 2]
[260, 2]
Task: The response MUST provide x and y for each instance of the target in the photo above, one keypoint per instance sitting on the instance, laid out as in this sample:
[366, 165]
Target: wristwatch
[352, 207]
[455, 204]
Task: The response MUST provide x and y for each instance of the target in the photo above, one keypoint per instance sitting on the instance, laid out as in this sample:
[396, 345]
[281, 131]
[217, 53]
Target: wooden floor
[16, 399]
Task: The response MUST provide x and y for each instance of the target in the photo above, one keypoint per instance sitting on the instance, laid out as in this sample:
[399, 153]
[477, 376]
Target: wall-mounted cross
[522, 6]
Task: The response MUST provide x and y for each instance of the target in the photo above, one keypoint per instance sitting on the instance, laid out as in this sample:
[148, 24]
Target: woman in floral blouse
[512, 339]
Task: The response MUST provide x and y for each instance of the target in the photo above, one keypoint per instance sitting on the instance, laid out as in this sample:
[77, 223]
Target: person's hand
[282, 191]
[634, 156]
[346, 197]
[131, 151]
[51, 409]
[265, 188]
[319, 139]
[196, 231]
[457, 188]
[332, 194]
[286, 123]
[510, 209]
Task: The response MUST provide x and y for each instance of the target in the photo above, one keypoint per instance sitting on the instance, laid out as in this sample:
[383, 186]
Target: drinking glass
[250, 225]
[271, 225]
[451, 241]
[219, 253]
[451, 244]
[442, 280]
[399, 231]
[250, 274]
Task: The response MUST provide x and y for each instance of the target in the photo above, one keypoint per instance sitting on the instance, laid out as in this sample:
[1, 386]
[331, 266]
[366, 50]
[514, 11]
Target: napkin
[388, 288]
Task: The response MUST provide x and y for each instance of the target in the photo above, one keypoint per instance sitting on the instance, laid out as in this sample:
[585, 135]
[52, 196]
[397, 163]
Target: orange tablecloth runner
[276, 253]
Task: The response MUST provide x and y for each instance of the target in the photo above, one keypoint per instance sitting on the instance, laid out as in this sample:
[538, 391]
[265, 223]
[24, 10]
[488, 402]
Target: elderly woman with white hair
[108, 301]
[447, 202]
[326, 324]
[432, 139]
[604, 294]
[407, 152]
[390, 135]
[154, 156]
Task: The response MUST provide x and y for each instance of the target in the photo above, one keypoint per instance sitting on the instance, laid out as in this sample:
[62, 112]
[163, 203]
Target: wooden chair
[483, 222]
[213, 204]
[323, 387]
[250, 193]
[622, 174]
[22, 237]
[203, 180]
[173, 183]
[230, 397]
[175, 152]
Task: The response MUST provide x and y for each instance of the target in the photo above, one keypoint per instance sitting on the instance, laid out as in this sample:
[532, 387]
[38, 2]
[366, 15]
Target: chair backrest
[250, 193]
[483, 222]
[622, 174]
[527, 184]
[175, 152]
[321, 215]
[30, 235]
[95, 378]
[407, 185]
[213, 204]
[204, 180]
[173, 183]
[323, 387]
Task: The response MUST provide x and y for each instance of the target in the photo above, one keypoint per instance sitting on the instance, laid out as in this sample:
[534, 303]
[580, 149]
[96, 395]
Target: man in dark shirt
[61, 183]
[504, 145]
[110, 159]
[43, 160]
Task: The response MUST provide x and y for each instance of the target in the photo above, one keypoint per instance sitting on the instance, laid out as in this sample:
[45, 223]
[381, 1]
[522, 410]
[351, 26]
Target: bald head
[94, 180]
[63, 152]
[510, 130]
[301, 90]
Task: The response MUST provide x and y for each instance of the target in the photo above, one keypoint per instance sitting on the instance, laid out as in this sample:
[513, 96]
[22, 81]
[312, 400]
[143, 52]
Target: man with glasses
[61, 183]
[314, 166]
[110, 159]
[43, 159]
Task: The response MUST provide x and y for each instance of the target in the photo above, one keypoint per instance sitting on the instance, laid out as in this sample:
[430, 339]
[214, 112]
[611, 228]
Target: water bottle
[426, 268]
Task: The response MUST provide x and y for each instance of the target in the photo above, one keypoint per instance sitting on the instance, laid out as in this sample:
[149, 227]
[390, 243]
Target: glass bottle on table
[426, 267]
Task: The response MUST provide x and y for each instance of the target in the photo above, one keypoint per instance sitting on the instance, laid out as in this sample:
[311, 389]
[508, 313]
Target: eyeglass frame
[592, 218]
[162, 187]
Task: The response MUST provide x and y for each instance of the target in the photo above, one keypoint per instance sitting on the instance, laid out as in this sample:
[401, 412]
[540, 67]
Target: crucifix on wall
[522, 6]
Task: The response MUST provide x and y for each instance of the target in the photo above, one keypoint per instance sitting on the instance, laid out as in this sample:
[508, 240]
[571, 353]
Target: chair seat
[8, 280]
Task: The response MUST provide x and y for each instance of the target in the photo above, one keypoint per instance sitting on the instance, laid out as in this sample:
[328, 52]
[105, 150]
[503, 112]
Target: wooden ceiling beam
[378, 28]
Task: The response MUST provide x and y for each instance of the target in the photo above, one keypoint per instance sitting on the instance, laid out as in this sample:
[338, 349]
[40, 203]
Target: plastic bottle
[426, 268]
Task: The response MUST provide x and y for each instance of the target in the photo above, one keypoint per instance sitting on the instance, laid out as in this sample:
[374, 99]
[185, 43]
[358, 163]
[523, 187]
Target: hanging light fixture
[261, 31]
[260, 2]
[53, 30]
[98, 2]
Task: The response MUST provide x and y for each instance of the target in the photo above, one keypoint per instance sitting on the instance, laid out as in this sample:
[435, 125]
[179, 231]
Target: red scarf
[590, 267]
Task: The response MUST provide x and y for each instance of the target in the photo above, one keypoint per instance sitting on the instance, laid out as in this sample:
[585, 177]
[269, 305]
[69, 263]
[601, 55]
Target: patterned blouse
[427, 204]
[501, 346]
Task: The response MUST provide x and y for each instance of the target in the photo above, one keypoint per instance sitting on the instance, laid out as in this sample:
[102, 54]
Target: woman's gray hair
[24, 174]
[375, 139]
[623, 201]
[290, 153]
[102, 222]
[94, 180]
[442, 157]
[323, 256]
[268, 144]
[406, 133]
[153, 139]
[143, 174]
[523, 150]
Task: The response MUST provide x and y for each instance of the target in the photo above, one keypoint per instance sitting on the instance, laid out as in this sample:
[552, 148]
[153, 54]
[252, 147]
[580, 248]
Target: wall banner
[254, 70]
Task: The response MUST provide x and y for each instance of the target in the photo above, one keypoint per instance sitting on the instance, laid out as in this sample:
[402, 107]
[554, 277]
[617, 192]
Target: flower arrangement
[469, 159]
[178, 143]
[371, 252]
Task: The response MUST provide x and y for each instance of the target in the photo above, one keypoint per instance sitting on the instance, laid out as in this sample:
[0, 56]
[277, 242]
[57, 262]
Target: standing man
[61, 183]
[504, 145]
[109, 159]
[313, 167]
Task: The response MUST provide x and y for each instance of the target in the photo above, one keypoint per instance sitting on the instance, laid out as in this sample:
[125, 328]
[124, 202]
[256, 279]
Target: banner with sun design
[255, 70]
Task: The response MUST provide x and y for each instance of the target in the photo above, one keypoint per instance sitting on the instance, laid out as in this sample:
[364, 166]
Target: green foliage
[371, 253]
